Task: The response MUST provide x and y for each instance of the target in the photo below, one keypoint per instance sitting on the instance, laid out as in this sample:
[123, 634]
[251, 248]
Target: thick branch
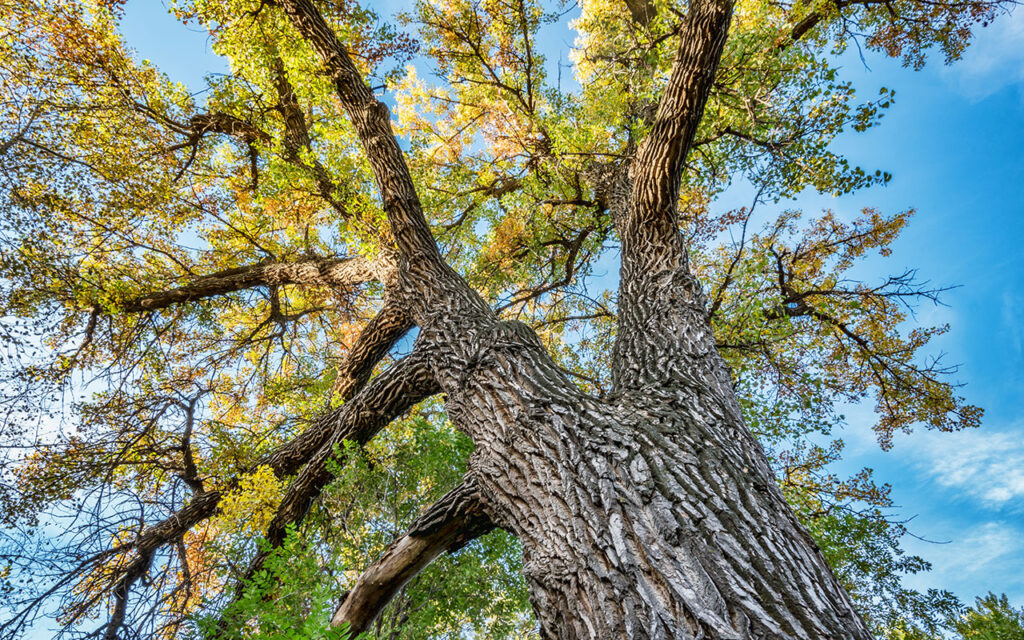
[219, 122]
[372, 122]
[373, 343]
[812, 19]
[333, 272]
[389, 395]
[216, 122]
[642, 11]
[451, 522]
[650, 234]
[660, 306]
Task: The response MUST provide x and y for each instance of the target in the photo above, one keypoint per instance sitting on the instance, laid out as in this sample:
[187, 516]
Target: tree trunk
[650, 514]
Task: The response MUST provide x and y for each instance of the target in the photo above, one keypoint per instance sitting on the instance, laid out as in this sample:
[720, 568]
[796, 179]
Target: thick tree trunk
[652, 514]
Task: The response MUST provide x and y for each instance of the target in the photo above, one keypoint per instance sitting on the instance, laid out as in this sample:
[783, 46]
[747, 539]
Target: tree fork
[654, 514]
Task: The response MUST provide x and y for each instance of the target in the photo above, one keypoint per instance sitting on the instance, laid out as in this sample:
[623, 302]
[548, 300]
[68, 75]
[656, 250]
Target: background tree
[991, 618]
[199, 291]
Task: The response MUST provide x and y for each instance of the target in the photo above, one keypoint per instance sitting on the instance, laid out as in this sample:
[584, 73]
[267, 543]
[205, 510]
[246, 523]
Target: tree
[991, 618]
[200, 271]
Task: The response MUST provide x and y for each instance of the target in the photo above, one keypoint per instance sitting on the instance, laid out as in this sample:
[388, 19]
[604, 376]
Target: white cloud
[983, 557]
[994, 60]
[987, 466]
[990, 543]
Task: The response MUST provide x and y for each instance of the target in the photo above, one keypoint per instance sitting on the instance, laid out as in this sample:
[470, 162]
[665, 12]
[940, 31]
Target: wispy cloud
[986, 466]
[994, 60]
[987, 556]
[986, 547]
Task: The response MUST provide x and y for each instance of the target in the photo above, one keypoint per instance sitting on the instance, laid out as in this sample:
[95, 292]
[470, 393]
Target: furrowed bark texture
[387, 396]
[652, 247]
[372, 122]
[327, 272]
[373, 343]
[652, 515]
[649, 514]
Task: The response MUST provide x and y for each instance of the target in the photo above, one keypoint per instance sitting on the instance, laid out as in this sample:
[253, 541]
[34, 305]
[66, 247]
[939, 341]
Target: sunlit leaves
[787, 310]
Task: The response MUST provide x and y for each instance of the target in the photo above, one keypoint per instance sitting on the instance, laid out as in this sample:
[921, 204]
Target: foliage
[991, 618]
[286, 600]
[120, 183]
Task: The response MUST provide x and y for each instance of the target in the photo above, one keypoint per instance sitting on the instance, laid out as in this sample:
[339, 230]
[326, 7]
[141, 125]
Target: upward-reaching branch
[650, 232]
[392, 393]
[372, 122]
[658, 301]
[296, 138]
[373, 343]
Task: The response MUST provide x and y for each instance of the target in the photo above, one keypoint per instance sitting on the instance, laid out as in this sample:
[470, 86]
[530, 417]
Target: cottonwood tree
[226, 314]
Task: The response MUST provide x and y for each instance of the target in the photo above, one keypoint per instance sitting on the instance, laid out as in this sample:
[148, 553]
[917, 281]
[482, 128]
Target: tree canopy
[197, 286]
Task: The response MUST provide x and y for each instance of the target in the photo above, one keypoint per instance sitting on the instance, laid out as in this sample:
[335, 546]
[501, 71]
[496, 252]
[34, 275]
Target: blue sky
[954, 142]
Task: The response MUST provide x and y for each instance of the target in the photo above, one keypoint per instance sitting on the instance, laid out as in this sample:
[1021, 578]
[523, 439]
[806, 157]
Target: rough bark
[389, 395]
[652, 246]
[372, 122]
[652, 514]
[373, 343]
[392, 393]
[297, 137]
[649, 514]
[330, 272]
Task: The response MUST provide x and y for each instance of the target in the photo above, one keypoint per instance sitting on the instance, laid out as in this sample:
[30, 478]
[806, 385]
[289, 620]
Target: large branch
[389, 395]
[332, 272]
[220, 122]
[812, 19]
[448, 524]
[642, 11]
[373, 343]
[650, 234]
[372, 123]
[216, 122]
[661, 319]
